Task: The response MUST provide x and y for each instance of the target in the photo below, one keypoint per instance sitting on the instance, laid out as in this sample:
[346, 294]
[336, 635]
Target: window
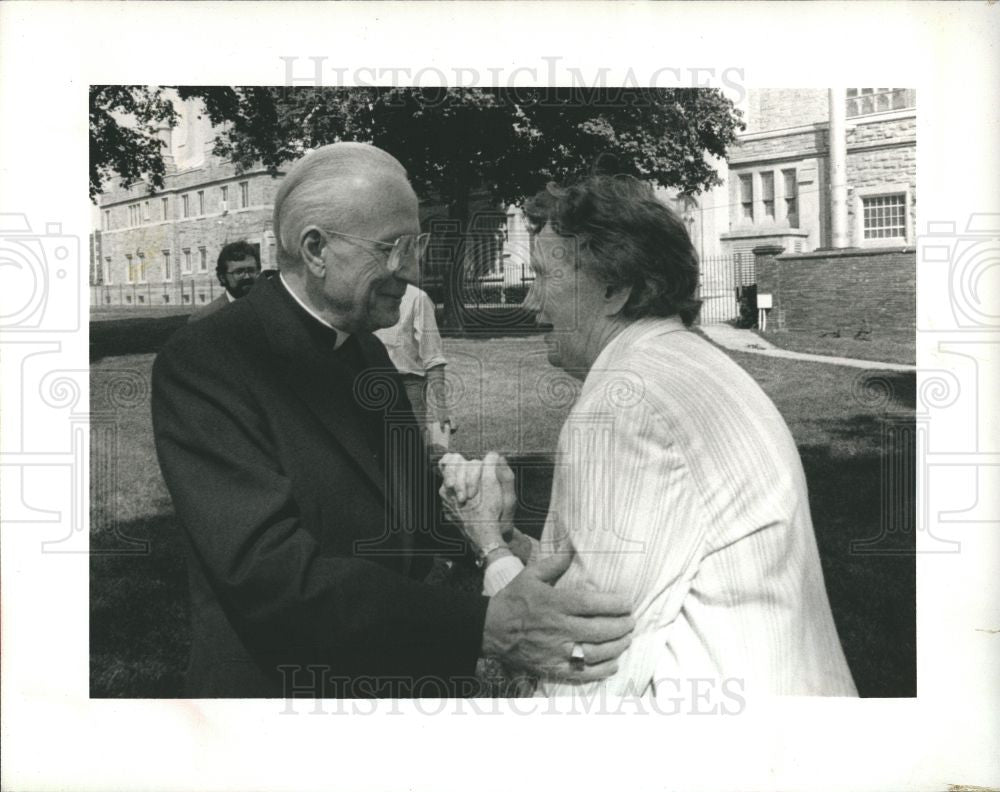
[791, 197]
[166, 298]
[168, 273]
[186, 205]
[133, 215]
[140, 268]
[129, 272]
[107, 269]
[864, 101]
[884, 216]
[145, 211]
[166, 208]
[201, 297]
[141, 299]
[186, 298]
[202, 259]
[767, 192]
[107, 219]
[244, 195]
[225, 197]
[187, 260]
[201, 202]
[746, 196]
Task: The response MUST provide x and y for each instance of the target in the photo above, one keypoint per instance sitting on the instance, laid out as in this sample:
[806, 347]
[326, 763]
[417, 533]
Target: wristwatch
[483, 552]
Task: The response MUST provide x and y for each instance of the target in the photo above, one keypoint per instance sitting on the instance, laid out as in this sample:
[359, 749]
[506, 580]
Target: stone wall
[841, 290]
[785, 107]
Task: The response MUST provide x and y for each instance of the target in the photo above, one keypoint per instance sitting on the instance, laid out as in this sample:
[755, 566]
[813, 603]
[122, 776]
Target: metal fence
[490, 281]
[189, 293]
[723, 278]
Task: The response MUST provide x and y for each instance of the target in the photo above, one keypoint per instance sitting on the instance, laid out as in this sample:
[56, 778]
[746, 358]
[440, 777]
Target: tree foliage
[508, 142]
[124, 122]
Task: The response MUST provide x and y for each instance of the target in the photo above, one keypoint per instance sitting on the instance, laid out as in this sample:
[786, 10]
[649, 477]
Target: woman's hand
[479, 495]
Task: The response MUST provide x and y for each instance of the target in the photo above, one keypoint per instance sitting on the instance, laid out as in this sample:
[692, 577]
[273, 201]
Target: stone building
[780, 189]
[161, 248]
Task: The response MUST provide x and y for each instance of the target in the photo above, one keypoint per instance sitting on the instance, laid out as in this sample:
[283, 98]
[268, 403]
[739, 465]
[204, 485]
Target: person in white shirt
[415, 349]
[676, 482]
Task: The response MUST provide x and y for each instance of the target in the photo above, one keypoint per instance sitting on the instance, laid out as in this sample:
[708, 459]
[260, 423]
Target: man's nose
[409, 272]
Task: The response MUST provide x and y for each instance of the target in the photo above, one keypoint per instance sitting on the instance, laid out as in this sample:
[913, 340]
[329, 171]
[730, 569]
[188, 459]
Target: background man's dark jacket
[306, 503]
[216, 305]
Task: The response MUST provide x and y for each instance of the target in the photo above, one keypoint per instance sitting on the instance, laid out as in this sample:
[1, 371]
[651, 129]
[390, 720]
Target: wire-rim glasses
[409, 249]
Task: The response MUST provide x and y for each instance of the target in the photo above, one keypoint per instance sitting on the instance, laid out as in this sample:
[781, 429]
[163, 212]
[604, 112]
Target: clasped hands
[478, 494]
[531, 625]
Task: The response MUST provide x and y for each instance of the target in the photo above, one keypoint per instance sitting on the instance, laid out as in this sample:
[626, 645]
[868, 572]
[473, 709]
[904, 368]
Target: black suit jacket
[307, 540]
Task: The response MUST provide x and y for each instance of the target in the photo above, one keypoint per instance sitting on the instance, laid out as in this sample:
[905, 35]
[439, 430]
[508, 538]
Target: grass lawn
[883, 347]
[507, 397]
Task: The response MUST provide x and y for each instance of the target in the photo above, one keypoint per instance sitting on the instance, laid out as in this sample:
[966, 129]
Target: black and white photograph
[434, 411]
[661, 348]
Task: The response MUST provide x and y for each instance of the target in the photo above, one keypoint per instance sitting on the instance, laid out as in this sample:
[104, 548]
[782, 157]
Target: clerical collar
[342, 335]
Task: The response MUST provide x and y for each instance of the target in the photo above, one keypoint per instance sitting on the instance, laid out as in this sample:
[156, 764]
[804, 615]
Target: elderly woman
[677, 482]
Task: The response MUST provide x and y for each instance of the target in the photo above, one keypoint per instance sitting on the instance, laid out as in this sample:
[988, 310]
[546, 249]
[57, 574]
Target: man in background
[415, 349]
[237, 269]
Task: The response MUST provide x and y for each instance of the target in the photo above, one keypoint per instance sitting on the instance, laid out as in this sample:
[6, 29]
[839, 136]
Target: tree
[508, 142]
[454, 142]
[125, 121]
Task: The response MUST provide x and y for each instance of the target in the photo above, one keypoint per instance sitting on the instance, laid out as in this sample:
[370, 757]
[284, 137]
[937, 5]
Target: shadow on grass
[114, 337]
[865, 533]
[140, 634]
[139, 627]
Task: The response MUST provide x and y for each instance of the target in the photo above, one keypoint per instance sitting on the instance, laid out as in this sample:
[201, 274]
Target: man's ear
[615, 298]
[311, 244]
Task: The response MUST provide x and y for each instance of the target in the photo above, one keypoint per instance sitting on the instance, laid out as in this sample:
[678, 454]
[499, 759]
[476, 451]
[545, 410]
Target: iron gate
[721, 281]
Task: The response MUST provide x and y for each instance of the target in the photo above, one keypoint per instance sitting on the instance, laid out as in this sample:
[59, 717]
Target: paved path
[739, 340]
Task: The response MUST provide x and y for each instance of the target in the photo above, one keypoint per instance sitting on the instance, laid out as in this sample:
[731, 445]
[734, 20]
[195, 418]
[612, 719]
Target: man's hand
[521, 545]
[532, 626]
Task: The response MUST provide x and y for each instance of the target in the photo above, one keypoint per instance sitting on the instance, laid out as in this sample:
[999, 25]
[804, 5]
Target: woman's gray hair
[628, 238]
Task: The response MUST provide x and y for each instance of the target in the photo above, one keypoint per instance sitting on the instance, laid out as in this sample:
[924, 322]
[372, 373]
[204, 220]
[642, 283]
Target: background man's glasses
[406, 252]
[244, 272]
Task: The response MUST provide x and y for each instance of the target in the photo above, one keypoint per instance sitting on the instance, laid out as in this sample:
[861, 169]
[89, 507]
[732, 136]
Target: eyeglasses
[252, 272]
[406, 252]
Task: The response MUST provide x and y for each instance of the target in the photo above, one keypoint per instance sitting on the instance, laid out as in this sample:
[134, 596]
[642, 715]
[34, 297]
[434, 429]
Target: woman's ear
[311, 245]
[615, 299]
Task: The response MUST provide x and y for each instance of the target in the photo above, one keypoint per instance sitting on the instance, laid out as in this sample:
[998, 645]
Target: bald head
[343, 186]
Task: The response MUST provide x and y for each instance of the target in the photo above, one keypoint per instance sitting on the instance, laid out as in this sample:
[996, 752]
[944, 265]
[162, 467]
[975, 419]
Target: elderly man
[677, 483]
[237, 268]
[298, 475]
